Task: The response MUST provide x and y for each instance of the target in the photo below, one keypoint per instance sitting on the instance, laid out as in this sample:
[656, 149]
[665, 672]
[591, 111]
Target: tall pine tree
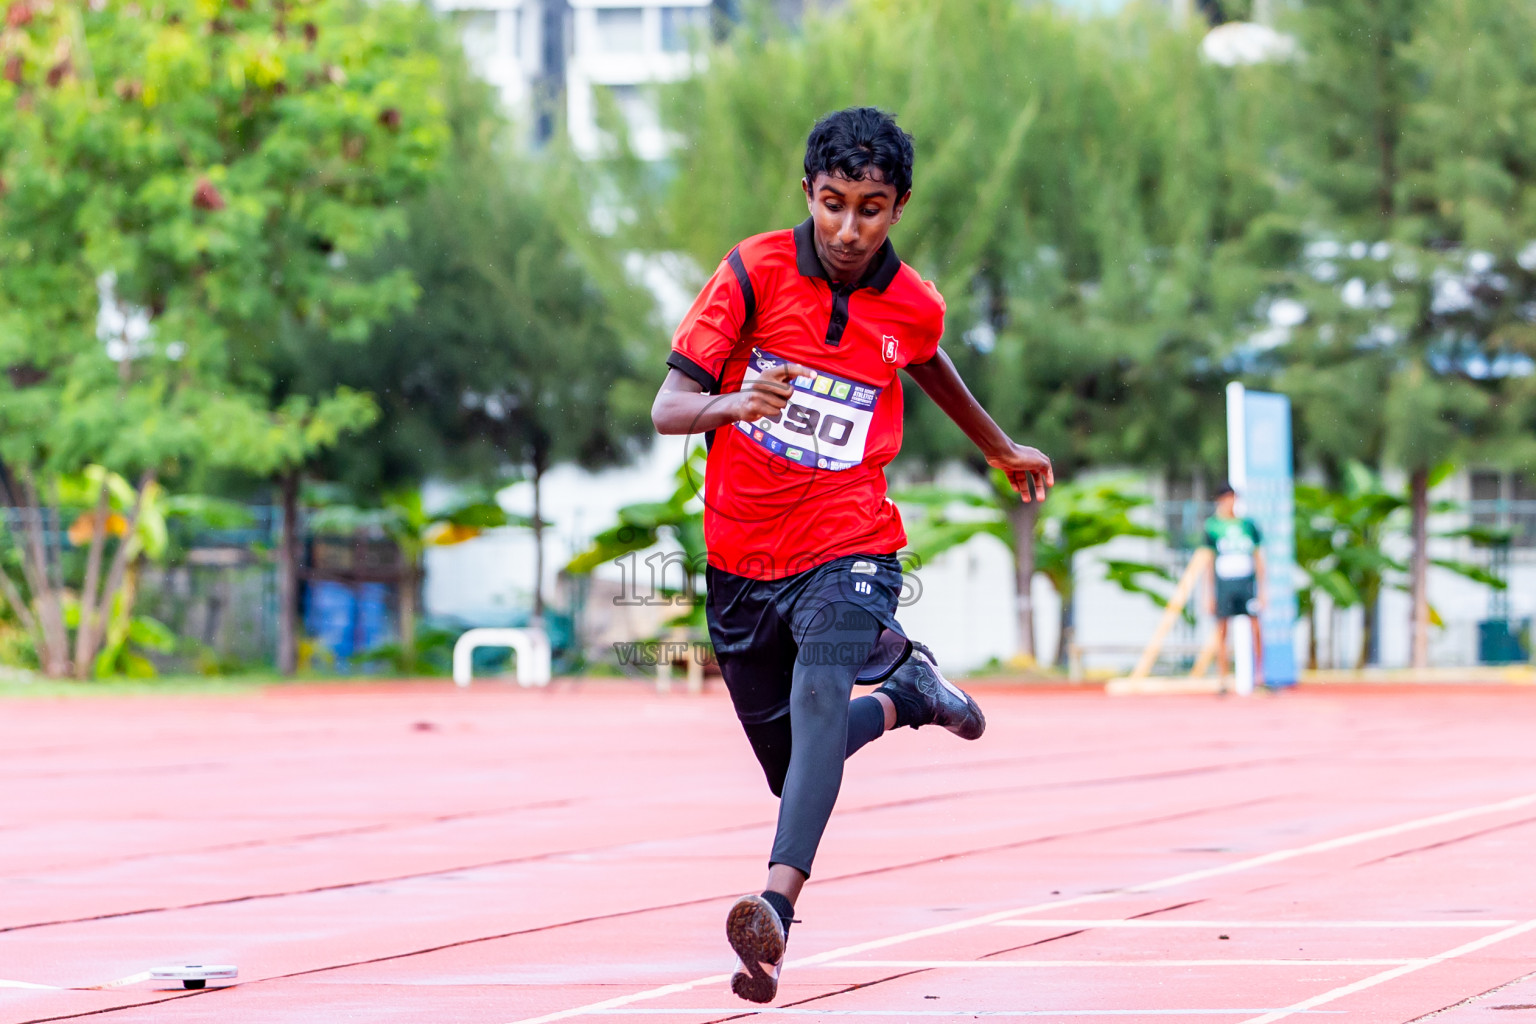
[522, 351]
[1401, 128]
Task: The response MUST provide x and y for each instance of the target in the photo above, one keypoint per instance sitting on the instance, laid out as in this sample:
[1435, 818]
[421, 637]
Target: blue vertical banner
[1259, 463]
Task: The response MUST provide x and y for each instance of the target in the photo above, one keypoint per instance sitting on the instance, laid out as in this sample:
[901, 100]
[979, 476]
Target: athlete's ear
[901, 204]
[805, 186]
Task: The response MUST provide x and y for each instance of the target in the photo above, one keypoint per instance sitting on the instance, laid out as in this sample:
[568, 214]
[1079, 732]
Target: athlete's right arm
[682, 407]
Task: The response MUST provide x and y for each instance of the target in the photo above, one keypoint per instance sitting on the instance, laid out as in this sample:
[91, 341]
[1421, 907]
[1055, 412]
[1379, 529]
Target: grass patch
[175, 685]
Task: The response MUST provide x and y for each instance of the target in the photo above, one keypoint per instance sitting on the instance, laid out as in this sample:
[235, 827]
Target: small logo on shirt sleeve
[888, 349]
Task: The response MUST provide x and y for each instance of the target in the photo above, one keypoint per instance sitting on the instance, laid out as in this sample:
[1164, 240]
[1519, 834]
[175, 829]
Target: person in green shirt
[1236, 577]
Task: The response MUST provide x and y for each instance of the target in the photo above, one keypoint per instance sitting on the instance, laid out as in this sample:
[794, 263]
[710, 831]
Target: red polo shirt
[787, 494]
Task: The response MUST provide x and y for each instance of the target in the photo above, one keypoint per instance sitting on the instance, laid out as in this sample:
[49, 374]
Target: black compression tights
[771, 741]
[802, 753]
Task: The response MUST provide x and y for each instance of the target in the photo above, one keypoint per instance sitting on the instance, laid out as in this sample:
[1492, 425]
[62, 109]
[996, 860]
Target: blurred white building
[505, 41]
[621, 47]
[553, 59]
[550, 58]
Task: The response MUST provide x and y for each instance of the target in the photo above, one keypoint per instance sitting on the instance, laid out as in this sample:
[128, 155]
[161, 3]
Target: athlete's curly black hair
[850, 142]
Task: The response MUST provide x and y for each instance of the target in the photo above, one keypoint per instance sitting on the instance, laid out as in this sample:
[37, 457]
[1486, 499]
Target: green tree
[1078, 517]
[1342, 538]
[1406, 344]
[1346, 557]
[524, 350]
[404, 518]
[1084, 191]
[1316, 533]
[183, 185]
[125, 635]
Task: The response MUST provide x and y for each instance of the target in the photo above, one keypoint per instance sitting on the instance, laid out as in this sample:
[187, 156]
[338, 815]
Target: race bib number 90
[824, 426]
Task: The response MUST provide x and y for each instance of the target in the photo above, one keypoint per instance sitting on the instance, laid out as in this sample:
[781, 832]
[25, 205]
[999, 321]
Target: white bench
[530, 646]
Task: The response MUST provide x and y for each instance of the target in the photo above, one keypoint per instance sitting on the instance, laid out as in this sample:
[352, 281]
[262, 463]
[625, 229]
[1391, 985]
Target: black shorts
[1236, 597]
[750, 624]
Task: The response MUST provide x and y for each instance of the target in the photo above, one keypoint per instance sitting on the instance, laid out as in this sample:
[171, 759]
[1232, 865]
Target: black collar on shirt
[882, 269]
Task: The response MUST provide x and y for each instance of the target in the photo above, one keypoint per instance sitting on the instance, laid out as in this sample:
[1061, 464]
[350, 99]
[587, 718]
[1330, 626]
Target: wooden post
[1176, 603]
[1207, 655]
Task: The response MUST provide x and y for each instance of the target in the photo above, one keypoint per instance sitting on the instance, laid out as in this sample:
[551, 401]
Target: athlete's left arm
[1024, 465]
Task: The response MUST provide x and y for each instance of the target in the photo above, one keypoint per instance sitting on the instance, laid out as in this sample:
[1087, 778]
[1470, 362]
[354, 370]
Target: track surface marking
[415, 853]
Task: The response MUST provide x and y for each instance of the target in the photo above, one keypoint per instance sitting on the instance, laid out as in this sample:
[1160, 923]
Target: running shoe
[756, 934]
[944, 703]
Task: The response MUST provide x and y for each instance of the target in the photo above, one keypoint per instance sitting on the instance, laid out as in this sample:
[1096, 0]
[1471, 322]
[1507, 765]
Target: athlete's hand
[770, 393]
[1023, 466]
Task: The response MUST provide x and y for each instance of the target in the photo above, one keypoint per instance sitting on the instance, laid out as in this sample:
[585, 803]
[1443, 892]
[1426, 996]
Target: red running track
[419, 854]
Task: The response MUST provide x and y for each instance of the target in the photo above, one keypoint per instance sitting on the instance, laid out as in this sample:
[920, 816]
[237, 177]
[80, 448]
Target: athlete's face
[852, 218]
[1226, 506]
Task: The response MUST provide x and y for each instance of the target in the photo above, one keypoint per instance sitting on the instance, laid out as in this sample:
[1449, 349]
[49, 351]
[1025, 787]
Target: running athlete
[787, 363]
[1236, 577]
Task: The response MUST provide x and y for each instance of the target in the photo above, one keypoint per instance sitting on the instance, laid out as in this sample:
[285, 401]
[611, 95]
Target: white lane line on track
[967, 964]
[1339, 843]
[1135, 922]
[1263, 860]
[787, 1011]
[1397, 972]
